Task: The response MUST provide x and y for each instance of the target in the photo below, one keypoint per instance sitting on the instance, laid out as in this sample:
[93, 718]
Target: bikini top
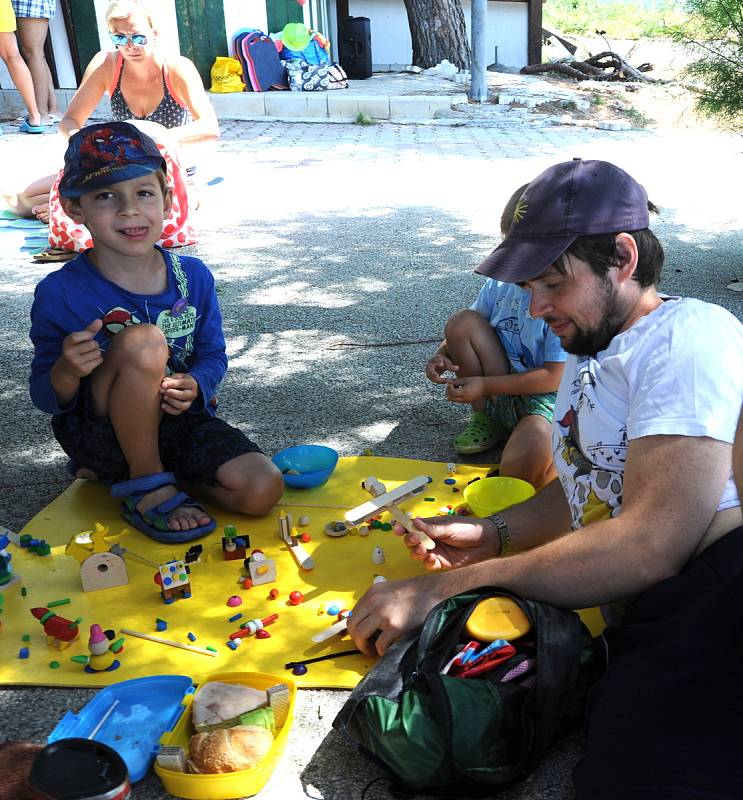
[171, 113]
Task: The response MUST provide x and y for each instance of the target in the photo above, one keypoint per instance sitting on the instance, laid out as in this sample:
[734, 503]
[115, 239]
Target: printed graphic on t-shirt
[590, 450]
[510, 335]
[178, 330]
[176, 327]
[116, 320]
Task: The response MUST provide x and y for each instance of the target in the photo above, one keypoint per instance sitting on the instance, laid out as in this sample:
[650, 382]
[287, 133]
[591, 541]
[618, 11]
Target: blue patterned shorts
[35, 9]
[193, 446]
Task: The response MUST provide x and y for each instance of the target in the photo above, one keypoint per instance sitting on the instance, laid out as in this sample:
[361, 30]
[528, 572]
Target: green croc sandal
[479, 434]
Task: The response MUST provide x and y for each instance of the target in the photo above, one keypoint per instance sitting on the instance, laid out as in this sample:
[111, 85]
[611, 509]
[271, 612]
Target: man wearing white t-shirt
[644, 515]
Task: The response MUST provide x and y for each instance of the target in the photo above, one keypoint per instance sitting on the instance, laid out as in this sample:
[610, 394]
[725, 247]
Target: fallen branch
[606, 66]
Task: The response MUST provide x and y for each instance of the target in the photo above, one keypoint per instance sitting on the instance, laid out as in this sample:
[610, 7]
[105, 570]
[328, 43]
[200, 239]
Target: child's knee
[532, 467]
[142, 345]
[257, 491]
[462, 323]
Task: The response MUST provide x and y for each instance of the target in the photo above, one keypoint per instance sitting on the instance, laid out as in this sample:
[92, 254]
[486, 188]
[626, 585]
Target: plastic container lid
[145, 709]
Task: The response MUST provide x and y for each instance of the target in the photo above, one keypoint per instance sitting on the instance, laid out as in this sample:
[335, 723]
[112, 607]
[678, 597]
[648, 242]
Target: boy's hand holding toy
[437, 365]
[80, 352]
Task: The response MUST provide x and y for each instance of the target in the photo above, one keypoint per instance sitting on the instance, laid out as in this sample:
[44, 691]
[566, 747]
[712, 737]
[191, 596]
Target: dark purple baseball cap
[572, 199]
[110, 152]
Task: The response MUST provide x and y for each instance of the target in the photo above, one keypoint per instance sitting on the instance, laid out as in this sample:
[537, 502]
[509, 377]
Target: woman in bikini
[143, 85]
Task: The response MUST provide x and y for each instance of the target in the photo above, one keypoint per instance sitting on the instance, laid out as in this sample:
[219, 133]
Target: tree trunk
[438, 32]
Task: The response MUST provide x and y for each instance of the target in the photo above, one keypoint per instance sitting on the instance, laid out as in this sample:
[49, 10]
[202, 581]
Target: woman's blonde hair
[120, 9]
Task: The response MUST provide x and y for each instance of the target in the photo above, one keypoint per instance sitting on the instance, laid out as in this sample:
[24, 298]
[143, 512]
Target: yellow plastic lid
[497, 618]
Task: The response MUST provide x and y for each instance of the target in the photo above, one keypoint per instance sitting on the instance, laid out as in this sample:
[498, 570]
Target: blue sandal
[154, 521]
[27, 127]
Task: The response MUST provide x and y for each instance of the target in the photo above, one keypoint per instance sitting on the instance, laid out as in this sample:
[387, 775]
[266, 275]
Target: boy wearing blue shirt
[129, 350]
[508, 366]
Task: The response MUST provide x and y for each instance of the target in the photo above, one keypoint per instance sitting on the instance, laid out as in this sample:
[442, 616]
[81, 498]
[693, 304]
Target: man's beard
[589, 341]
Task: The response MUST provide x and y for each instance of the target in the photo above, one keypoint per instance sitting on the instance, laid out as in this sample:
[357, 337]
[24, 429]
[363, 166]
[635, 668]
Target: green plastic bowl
[491, 495]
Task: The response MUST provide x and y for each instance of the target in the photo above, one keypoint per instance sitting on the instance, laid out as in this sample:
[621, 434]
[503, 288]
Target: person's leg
[665, 719]
[249, 484]
[474, 346]
[34, 196]
[126, 389]
[32, 32]
[20, 75]
[52, 106]
[217, 461]
[528, 452]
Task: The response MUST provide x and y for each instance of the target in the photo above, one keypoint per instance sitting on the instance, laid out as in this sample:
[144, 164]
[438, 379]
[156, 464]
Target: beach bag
[444, 734]
[226, 75]
[66, 234]
[305, 77]
[259, 57]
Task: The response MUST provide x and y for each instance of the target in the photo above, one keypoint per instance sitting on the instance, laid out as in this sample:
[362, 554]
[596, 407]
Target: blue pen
[492, 647]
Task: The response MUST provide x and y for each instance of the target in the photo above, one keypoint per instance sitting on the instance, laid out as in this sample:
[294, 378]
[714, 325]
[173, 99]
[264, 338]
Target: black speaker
[354, 46]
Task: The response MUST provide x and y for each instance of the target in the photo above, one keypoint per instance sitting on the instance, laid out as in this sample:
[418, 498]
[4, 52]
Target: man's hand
[389, 610]
[437, 365]
[80, 352]
[459, 541]
[178, 391]
[465, 390]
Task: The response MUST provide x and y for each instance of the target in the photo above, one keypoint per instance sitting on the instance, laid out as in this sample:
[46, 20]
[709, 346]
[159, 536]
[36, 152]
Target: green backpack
[448, 735]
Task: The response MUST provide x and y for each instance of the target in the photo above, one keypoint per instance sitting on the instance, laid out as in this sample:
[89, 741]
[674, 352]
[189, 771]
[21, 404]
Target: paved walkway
[322, 236]
[399, 97]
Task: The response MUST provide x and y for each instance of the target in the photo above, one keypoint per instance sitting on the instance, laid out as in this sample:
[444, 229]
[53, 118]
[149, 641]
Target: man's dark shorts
[665, 721]
[193, 446]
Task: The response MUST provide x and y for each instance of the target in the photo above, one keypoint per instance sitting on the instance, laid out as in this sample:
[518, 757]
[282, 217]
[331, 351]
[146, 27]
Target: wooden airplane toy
[382, 500]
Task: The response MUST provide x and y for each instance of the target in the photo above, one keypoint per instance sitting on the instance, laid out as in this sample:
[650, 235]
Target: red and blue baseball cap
[110, 152]
[572, 199]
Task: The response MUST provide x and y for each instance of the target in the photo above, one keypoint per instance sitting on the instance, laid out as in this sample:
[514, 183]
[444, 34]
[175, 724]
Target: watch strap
[504, 535]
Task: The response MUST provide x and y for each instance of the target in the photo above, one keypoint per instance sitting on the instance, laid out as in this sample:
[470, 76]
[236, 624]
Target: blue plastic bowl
[314, 463]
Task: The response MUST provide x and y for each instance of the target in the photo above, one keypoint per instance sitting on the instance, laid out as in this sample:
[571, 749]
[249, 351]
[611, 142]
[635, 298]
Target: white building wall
[508, 28]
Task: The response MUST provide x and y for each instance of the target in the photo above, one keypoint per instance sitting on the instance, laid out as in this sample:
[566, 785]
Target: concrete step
[339, 105]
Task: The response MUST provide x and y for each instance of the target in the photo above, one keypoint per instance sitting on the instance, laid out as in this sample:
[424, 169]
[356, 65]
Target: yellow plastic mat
[342, 573]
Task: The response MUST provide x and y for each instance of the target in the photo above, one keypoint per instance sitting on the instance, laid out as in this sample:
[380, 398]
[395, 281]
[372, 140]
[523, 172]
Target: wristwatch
[504, 535]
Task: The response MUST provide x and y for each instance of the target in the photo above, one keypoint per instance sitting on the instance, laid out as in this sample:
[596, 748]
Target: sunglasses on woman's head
[122, 39]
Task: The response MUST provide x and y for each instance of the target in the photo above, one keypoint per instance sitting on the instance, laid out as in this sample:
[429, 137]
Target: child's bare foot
[183, 518]
[41, 213]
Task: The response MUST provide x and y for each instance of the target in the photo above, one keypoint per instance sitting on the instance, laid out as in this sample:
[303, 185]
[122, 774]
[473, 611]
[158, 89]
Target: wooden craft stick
[158, 640]
[311, 505]
[404, 519]
[328, 633]
[377, 504]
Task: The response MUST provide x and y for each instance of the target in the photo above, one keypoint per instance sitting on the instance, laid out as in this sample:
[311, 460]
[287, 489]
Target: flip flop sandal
[53, 255]
[477, 436]
[27, 127]
[154, 521]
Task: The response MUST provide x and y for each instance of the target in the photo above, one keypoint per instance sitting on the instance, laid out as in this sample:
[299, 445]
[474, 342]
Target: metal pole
[479, 26]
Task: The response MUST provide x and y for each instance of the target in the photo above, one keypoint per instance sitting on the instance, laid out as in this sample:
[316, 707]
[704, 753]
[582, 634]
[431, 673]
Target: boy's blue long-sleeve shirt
[69, 299]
